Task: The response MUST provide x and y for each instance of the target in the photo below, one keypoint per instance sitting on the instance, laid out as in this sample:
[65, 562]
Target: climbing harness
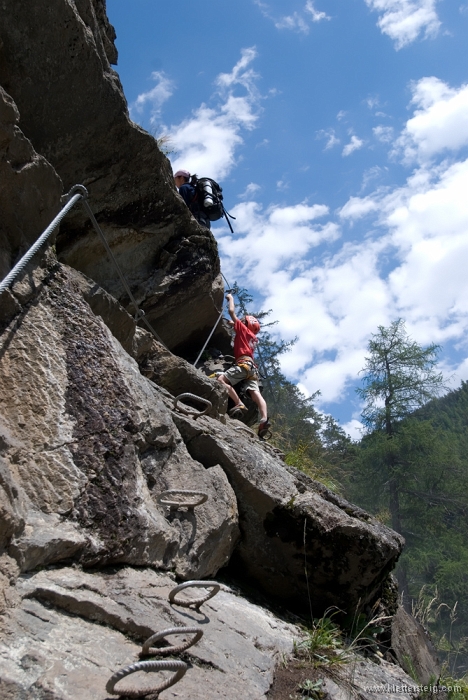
[147, 649]
[247, 363]
[179, 667]
[165, 499]
[76, 193]
[196, 602]
[188, 410]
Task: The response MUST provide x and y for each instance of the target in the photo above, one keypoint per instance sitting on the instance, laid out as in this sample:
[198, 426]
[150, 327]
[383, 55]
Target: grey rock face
[88, 445]
[84, 130]
[73, 630]
[89, 437]
[30, 189]
[413, 648]
[298, 539]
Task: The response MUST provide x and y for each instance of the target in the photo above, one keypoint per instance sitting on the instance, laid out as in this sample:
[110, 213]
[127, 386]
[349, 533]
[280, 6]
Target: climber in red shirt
[245, 369]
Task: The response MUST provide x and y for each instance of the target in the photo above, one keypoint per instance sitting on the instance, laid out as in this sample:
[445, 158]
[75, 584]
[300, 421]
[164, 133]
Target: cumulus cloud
[154, 98]
[439, 124]
[404, 20]
[269, 241]
[332, 292]
[207, 140]
[354, 145]
[354, 428]
[357, 207]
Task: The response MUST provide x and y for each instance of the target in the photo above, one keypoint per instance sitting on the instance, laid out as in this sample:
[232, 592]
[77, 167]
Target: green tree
[399, 377]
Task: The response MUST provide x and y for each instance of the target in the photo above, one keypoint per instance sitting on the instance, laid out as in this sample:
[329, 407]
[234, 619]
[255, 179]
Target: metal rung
[178, 666]
[172, 648]
[196, 602]
[203, 497]
[188, 410]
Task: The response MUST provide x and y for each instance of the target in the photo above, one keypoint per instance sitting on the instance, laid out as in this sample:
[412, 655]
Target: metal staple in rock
[178, 504]
[197, 602]
[245, 429]
[178, 666]
[147, 649]
[187, 410]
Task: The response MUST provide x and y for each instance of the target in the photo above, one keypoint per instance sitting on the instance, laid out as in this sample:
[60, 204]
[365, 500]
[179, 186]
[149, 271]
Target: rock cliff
[90, 433]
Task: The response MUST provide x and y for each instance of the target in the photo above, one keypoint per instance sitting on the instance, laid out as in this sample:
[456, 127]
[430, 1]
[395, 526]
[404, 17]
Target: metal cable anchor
[164, 501]
[188, 410]
[178, 666]
[196, 602]
[173, 648]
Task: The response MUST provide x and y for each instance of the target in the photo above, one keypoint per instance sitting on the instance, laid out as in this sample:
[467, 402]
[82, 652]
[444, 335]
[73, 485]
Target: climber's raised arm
[231, 307]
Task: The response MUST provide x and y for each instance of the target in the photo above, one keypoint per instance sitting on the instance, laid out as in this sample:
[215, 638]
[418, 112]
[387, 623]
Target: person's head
[252, 324]
[181, 177]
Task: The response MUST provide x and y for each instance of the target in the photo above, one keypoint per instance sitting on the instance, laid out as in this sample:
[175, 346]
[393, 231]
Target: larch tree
[399, 377]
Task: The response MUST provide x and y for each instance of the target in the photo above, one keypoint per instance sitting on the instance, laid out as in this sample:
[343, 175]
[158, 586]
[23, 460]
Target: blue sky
[339, 132]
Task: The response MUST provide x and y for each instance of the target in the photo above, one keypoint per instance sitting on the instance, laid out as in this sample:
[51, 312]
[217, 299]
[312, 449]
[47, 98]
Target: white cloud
[383, 133]
[332, 294]
[373, 173]
[372, 102]
[354, 145]
[356, 208]
[440, 122]
[298, 21]
[251, 189]
[269, 241]
[404, 20]
[317, 16]
[154, 98]
[329, 134]
[354, 428]
[207, 141]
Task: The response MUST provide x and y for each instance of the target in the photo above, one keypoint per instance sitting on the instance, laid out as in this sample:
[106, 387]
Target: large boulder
[300, 542]
[74, 111]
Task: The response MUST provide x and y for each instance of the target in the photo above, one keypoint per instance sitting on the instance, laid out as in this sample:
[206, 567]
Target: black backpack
[209, 198]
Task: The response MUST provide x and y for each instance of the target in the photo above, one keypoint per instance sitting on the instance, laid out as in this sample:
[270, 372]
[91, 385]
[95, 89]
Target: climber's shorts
[236, 374]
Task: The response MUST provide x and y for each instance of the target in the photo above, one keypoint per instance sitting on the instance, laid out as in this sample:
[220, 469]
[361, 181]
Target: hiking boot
[237, 409]
[264, 432]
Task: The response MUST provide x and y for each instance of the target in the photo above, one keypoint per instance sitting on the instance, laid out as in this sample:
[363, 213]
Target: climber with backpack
[203, 196]
[244, 368]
